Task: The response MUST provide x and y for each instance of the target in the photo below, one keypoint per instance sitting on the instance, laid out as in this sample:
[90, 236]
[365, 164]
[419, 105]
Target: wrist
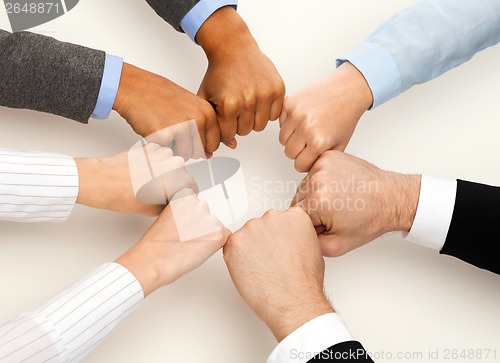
[360, 91]
[406, 193]
[137, 261]
[88, 173]
[124, 88]
[298, 314]
[223, 31]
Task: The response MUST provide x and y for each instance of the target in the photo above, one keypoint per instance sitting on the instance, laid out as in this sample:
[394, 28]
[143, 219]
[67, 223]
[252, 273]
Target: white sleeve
[434, 212]
[311, 339]
[37, 187]
[69, 326]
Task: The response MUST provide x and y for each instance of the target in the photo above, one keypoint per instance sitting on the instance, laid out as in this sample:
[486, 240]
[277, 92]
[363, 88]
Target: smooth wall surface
[394, 296]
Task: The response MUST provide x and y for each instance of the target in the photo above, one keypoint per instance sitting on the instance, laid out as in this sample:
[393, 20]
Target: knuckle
[168, 152]
[177, 162]
[272, 212]
[249, 99]
[300, 166]
[229, 105]
[331, 249]
[203, 207]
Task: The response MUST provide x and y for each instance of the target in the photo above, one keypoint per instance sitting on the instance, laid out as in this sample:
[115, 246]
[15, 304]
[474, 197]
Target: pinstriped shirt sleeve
[37, 187]
[69, 326]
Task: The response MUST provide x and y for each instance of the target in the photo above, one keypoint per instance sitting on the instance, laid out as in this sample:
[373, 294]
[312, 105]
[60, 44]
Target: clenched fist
[352, 202]
[323, 116]
[241, 82]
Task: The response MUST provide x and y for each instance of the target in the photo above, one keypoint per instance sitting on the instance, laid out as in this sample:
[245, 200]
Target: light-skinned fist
[323, 116]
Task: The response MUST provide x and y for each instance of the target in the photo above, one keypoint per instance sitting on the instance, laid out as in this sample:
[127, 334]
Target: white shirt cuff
[434, 212]
[311, 339]
[37, 187]
[379, 69]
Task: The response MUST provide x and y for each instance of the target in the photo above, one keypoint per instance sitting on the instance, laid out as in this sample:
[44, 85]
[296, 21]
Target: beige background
[394, 296]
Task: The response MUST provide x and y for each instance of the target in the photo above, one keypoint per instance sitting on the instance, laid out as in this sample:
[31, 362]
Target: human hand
[161, 257]
[352, 202]
[323, 116]
[276, 265]
[151, 103]
[108, 183]
[241, 82]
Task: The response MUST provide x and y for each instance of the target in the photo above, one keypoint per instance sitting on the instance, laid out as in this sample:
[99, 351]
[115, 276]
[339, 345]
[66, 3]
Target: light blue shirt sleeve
[109, 87]
[193, 20]
[424, 41]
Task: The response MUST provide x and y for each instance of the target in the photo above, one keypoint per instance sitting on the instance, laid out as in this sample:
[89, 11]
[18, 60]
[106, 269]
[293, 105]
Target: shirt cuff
[37, 187]
[311, 339]
[378, 68]
[193, 20]
[434, 212]
[85, 313]
[109, 87]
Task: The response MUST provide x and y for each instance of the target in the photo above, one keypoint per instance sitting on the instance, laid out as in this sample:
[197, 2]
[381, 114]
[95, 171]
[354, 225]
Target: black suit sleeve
[344, 352]
[474, 234]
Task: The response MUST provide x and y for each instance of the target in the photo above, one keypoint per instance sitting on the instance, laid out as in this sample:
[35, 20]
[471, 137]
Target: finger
[330, 245]
[227, 116]
[213, 134]
[183, 145]
[233, 144]
[320, 229]
[283, 116]
[169, 167]
[198, 149]
[294, 146]
[246, 122]
[276, 109]
[301, 192]
[312, 207]
[261, 117]
[176, 181]
[185, 193]
[164, 137]
[286, 131]
[306, 159]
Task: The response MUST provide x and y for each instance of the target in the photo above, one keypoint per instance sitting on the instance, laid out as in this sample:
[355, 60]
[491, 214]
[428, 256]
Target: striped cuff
[37, 187]
[69, 326]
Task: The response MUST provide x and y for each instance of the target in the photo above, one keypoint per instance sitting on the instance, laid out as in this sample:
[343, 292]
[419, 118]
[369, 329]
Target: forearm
[423, 42]
[74, 322]
[36, 187]
[43, 74]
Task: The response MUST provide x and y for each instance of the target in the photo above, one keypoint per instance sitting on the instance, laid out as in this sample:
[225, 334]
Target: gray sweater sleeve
[173, 11]
[43, 74]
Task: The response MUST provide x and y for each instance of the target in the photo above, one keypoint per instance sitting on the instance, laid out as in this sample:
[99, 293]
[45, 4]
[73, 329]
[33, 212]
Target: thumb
[331, 245]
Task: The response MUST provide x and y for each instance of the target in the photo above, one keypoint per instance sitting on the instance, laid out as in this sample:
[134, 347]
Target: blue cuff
[109, 87]
[193, 20]
[379, 70]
